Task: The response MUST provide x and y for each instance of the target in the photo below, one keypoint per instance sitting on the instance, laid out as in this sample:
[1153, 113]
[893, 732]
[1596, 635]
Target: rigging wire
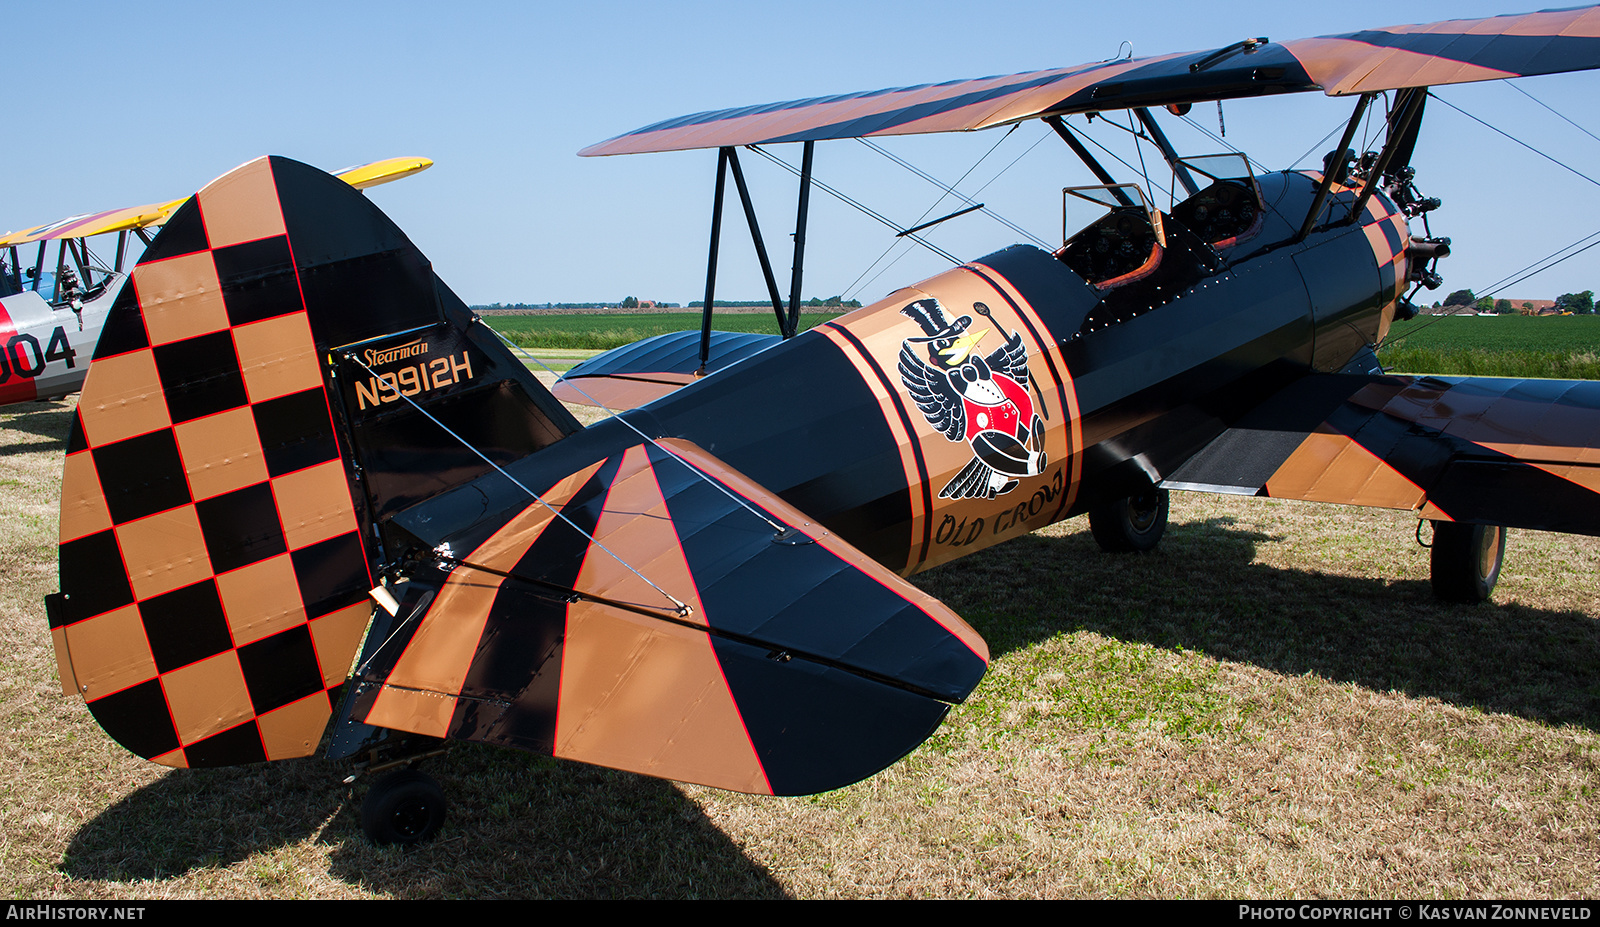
[1519, 141]
[701, 474]
[865, 210]
[951, 188]
[1547, 106]
[392, 382]
[862, 279]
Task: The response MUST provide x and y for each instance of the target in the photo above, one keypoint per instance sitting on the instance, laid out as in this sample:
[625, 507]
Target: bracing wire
[863, 209]
[700, 474]
[1519, 141]
[1547, 106]
[951, 188]
[392, 382]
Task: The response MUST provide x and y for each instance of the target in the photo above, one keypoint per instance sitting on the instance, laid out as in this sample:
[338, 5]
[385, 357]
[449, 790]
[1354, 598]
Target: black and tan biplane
[54, 301]
[702, 588]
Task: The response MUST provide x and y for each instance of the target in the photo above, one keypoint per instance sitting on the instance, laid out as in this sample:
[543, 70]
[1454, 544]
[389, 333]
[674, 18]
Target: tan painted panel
[337, 636]
[1587, 477]
[277, 357]
[296, 728]
[163, 552]
[1342, 66]
[438, 656]
[788, 514]
[221, 453]
[314, 504]
[174, 759]
[208, 697]
[1433, 513]
[122, 398]
[110, 652]
[83, 503]
[1540, 454]
[254, 599]
[617, 393]
[242, 205]
[649, 697]
[180, 297]
[1332, 468]
[413, 710]
[639, 693]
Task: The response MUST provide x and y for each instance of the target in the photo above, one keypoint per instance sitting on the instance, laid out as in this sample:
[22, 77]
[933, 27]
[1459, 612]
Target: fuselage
[1127, 380]
[47, 346]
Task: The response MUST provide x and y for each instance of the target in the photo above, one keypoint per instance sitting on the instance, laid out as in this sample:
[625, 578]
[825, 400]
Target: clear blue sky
[114, 104]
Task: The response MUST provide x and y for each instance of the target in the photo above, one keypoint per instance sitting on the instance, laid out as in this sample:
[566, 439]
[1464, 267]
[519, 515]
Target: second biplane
[52, 305]
[701, 588]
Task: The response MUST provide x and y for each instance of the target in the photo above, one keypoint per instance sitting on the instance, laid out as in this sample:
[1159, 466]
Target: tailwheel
[1466, 560]
[405, 807]
[1134, 524]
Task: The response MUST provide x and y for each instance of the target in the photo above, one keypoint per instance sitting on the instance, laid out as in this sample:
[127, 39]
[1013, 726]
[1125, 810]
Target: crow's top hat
[928, 314]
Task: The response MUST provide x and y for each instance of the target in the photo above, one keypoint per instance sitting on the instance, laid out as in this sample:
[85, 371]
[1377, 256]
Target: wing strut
[1403, 124]
[1167, 151]
[1088, 159]
[1333, 169]
[788, 319]
[801, 211]
[711, 261]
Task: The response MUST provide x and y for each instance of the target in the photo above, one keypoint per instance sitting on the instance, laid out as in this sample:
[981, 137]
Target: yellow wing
[151, 215]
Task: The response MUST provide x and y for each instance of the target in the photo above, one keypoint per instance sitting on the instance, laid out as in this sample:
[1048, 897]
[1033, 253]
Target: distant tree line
[832, 302]
[629, 303]
[1576, 303]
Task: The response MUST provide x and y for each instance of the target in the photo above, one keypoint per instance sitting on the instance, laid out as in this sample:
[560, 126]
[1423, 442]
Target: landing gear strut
[1466, 560]
[1130, 525]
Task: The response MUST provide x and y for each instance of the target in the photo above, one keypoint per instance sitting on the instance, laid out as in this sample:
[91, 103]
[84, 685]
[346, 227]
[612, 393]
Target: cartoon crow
[982, 400]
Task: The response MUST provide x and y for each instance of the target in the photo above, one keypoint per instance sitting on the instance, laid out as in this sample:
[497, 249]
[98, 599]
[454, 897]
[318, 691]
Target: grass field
[1271, 705]
[1560, 347]
[603, 332]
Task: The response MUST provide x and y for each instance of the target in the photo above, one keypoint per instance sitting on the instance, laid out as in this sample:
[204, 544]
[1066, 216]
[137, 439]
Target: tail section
[220, 525]
[287, 407]
[673, 619]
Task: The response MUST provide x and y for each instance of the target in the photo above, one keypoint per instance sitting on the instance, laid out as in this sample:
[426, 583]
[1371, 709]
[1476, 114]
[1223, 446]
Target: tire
[1131, 525]
[1466, 560]
[406, 807]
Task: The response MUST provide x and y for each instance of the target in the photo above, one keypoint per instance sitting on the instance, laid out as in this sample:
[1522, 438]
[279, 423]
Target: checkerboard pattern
[1387, 233]
[212, 573]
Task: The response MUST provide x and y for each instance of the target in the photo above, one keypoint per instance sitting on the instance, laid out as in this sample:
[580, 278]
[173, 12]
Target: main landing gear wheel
[1134, 524]
[1466, 560]
[405, 807]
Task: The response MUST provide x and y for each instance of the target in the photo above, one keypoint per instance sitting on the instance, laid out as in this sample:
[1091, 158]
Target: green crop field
[1563, 347]
[603, 332]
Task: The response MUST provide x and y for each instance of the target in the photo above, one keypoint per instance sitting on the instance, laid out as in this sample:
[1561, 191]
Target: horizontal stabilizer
[676, 620]
[642, 372]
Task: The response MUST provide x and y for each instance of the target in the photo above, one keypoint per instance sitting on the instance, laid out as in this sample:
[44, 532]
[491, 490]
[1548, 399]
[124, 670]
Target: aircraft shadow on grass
[1203, 591]
[46, 419]
[537, 828]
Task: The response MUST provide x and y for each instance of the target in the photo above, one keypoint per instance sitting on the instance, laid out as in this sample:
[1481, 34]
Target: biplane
[51, 313]
[331, 506]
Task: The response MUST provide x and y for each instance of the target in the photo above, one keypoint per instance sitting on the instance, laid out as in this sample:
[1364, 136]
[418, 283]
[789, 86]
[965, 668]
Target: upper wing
[1449, 52]
[1488, 450]
[152, 215]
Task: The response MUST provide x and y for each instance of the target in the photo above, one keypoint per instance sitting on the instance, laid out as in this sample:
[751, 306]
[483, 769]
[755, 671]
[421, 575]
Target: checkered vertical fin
[213, 576]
